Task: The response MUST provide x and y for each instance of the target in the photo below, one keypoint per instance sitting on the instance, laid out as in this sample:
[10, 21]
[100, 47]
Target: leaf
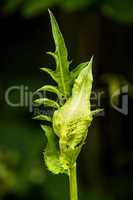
[47, 102]
[83, 84]
[43, 117]
[51, 153]
[75, 72]
[51, 73]
[61, 58]
[63, 77]
[50, 88]
[51, 54]
[95, 112]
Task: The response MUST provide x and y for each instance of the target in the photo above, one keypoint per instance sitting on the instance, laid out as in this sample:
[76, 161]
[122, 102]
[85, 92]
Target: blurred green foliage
[121, 11]
[19, 170]
[76, 5]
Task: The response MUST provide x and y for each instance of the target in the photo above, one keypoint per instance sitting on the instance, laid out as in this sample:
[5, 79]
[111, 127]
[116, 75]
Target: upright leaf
[61, 58]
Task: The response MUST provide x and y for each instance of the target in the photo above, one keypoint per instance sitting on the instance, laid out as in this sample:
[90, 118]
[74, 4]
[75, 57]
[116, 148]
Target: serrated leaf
[61, 57]
[47, 102]
[63, 77]
[51, 152]
[43, 117]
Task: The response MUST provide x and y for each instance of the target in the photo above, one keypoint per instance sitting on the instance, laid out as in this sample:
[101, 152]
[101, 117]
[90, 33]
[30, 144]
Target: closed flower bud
[71, 121]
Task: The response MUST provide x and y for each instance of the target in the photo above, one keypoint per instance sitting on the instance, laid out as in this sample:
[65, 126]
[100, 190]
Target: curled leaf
[51, 153]
[47, 102]
[50, 88]
[43, 117]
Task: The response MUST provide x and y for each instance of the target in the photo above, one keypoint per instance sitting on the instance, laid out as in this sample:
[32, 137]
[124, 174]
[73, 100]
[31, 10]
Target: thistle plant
[72, 113]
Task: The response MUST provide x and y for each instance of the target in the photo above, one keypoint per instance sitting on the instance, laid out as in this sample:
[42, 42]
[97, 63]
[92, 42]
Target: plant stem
[73, 183]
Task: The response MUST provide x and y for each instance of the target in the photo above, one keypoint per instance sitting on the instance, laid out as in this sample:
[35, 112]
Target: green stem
[73, 183]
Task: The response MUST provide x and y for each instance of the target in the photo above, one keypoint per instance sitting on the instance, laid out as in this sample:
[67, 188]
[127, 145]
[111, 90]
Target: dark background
[90, 27]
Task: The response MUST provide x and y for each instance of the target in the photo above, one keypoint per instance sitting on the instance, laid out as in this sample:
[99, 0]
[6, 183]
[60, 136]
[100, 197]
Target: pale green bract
[73, 116]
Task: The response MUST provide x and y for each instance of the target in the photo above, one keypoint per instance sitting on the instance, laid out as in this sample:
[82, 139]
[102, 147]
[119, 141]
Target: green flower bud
[71, 121]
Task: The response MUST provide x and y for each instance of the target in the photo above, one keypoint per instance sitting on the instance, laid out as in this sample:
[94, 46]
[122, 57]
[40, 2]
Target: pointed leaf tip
[95, 112]
[61, 73]
[89, 68]
[50, 12]
[51, 54]
[91, 60]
